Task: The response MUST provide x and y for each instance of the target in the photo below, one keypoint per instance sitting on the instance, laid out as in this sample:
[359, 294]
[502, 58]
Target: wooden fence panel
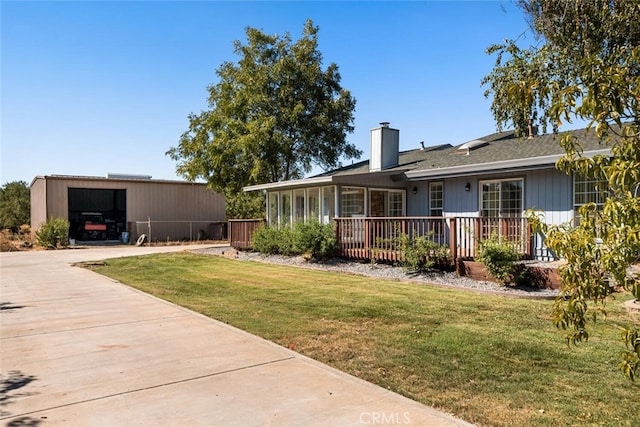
[241, 232]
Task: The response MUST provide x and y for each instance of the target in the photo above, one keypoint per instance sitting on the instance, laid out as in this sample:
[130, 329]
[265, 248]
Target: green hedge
[311, 238]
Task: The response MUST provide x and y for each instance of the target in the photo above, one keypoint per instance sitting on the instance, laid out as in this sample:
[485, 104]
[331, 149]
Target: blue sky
[90, 88]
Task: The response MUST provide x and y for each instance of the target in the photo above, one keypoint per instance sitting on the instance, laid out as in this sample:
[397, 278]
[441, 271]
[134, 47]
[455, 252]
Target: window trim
[433, 184]
[500, 180]
[387, 191]
[603, 193]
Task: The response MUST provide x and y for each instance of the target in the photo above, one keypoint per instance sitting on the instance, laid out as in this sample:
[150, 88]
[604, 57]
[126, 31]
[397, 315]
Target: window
[328, 204]
[588, 190]
[352, 201]
[396, 203]
[501, 199]
[386, 203]
[377, 203]
[273, 209]
[313, 204]
[285, 208]
[435, 199]
[299, 212]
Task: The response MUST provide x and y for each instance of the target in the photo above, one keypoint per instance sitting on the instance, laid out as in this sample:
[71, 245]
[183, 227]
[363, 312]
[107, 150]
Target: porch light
[467, 187]
[415, 190]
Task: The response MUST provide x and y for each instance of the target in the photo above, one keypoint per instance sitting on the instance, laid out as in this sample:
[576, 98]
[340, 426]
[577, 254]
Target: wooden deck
[376, 238]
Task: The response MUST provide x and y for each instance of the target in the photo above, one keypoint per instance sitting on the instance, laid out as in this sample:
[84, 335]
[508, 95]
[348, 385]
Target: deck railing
[470, 231]
[377, 237]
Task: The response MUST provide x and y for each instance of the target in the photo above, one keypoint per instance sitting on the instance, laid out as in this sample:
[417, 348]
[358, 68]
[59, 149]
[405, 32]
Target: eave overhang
[323, 180]
[530, 163]
[294, 183]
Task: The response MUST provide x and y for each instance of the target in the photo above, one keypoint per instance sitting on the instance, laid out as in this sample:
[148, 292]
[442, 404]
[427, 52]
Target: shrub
[313, 238]
[317, 239]
[53, 232]
[421, 254]
[499, 256]
[266, 240]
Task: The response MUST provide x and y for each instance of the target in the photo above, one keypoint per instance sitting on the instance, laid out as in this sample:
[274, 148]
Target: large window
[352, 201]
[502, 198]
[328, 204]
[285, 208]
[386, 203]
[272, 214]
[435, 199]
[299, 207]
[313, 204]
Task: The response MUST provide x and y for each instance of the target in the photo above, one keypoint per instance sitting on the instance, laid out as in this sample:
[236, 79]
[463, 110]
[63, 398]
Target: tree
[15, 205]
[586, 66]
[272, 116]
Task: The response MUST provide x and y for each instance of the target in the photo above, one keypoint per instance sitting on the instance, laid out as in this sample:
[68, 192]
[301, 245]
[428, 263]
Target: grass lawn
[487, 359]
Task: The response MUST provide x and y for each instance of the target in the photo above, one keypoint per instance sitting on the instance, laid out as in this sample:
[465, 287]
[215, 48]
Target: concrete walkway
[79, 349]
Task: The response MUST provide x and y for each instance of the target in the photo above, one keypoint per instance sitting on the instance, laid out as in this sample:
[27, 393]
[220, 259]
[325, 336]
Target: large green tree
[273, 115]
[585, 65]
[15, 205]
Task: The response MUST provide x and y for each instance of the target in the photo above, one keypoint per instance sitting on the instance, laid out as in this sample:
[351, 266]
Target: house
[103, 208]
[458, 195]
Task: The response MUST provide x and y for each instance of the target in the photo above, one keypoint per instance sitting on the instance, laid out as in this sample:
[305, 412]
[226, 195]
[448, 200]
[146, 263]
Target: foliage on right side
[586, 67]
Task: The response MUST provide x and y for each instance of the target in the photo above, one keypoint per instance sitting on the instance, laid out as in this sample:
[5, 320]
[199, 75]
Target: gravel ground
[385, 271]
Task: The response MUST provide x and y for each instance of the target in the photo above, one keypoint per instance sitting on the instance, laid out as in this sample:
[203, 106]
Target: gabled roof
[501, 151]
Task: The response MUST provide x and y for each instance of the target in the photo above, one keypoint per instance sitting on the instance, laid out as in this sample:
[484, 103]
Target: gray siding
[458, 201]
[546, 190]
[550, 191]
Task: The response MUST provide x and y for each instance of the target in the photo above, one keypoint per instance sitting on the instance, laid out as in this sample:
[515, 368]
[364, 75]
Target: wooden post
[367, 239]
[529, 241]
[453, 234]
[505, 228]
[338, 241]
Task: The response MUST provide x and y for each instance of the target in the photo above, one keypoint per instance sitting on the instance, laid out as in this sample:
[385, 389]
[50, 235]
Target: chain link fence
[188, 230]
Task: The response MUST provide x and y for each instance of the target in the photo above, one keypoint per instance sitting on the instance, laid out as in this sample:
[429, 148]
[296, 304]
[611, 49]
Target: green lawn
[487, 359]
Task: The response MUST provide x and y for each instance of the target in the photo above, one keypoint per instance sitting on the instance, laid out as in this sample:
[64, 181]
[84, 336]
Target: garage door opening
[97, 214]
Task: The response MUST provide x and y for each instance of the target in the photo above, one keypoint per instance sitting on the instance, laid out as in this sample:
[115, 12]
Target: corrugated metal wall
[38, 202]
[157, 200]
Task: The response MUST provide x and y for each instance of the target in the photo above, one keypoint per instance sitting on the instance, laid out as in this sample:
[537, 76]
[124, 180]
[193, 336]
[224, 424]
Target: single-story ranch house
[457, 195]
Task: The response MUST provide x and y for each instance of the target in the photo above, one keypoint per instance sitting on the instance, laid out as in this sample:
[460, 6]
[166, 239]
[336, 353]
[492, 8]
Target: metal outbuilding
[119, 206]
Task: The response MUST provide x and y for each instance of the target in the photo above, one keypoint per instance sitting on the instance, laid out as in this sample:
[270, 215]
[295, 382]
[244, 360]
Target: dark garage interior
[97, 214]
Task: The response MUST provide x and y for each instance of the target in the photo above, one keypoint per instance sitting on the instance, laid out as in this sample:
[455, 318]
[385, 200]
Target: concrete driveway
[79, 349]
